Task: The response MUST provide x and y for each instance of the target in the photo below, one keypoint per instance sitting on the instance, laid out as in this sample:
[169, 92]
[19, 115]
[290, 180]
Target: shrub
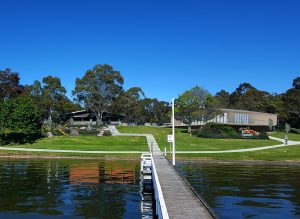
[56, 133]
[261, 135]
[215, 130]
[88, 132]
[19, 121]
[194, 131]
[295, 131]
[67, 131]
[13, 137]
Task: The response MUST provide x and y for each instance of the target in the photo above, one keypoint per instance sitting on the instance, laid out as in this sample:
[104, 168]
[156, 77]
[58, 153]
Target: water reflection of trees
[30, 186]
[98, 189]
[273, 182]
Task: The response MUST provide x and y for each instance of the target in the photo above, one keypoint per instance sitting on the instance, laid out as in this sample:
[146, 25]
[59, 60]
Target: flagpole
[173, 132]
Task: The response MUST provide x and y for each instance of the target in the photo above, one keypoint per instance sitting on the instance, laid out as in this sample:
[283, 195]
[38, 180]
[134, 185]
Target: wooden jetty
[179, 200]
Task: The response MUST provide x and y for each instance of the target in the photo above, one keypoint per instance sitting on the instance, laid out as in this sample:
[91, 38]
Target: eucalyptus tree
[9, 84]
[52, 93]
[51, 99]
[223, 98]
[98, 88]
[291, 100]
[154, 111]
[128, 103]
[296, 83]
[195, 104]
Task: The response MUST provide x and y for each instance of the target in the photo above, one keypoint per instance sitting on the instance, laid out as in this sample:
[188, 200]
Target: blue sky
[165, 47]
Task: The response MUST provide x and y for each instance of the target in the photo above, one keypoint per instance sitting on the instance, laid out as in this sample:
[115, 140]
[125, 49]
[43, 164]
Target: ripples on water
[240, 191]
[70, 189]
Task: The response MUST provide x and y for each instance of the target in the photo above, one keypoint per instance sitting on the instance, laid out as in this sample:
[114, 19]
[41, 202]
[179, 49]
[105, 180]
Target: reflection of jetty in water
[148, 200]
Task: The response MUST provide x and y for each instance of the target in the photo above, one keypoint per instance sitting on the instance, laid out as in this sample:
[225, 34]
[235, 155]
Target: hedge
[215, 130]
[20, 121]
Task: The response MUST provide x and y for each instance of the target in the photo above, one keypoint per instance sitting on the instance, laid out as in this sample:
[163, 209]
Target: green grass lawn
[184, 142]
[91, 143]
[288, 153]
[291, 136]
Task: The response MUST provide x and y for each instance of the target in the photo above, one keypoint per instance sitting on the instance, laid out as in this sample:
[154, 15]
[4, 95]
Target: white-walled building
[240, 118]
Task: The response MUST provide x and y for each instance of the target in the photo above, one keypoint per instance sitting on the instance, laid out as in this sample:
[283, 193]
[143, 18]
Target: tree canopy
[52, 93]
[101, 90]
[9, 84]
[138, 109]
[20, 121]
[195, 104]
[128, 103]
[97, 89]
[50, 97]
[296, 83]
[247, 97]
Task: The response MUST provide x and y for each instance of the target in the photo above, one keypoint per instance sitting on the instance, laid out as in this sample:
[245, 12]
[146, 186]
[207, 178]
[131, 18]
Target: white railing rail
[161, 208]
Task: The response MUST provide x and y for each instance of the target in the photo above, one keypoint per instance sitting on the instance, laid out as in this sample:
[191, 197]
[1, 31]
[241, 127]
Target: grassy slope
[93, 143]
[188, 143]
[290, 153]
[291, 136]
[184, 142]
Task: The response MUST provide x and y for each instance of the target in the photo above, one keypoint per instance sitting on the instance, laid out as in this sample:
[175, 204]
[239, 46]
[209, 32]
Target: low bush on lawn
[88, 132]
[215, 130]
[295, 131]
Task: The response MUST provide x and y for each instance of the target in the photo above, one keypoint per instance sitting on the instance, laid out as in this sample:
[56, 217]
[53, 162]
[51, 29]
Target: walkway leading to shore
[113, 130]
[180, 200]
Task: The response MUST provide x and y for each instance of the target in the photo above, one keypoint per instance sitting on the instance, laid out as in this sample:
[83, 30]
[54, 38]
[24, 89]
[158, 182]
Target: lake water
[53, 188]
[241, 191]
[70, 189]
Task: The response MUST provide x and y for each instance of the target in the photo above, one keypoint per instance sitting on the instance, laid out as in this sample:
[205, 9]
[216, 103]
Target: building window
[240, 118]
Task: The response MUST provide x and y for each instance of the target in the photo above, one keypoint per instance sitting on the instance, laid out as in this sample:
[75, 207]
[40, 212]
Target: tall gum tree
[97, 89]
[9, 84]
[52, 92]
[128, 103]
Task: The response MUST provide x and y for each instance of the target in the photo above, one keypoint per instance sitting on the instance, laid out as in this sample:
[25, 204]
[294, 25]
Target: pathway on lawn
[113, 130]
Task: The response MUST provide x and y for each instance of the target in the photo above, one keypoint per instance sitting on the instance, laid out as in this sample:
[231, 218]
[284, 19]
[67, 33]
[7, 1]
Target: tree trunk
[190, 130]
[99, 119]
[49, 117]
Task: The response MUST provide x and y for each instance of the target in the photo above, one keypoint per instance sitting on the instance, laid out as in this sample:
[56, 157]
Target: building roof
[75, 112]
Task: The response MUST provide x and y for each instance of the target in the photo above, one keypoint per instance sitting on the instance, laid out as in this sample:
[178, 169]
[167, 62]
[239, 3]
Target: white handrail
[161, 208]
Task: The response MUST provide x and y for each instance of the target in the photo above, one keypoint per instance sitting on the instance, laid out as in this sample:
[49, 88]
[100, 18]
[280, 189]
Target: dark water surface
[241, 191]
[69, 189]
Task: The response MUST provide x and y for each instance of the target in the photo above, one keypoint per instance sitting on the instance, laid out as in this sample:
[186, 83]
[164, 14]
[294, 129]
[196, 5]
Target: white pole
[173, 132]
